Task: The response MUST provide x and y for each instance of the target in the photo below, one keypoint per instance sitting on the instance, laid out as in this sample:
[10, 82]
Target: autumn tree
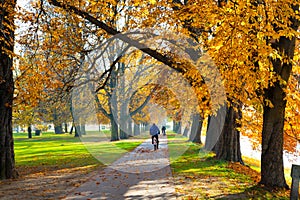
[273, 117]
[234, 52]
[163, 58]
[178, 99]
[7, 157]
[271, 73]
[118, 98]
[52, 55]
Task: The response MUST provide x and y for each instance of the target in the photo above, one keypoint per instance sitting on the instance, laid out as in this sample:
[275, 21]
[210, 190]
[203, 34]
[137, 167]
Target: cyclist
[154, 131]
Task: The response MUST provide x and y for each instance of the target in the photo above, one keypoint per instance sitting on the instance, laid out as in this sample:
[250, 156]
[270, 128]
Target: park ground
[51, 166]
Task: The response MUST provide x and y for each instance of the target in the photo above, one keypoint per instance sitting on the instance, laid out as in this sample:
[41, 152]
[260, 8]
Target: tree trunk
[186, 131]
[195, 135]
[272, 171]
[179, 131]
[147, 126]
[58, 128]
[228, 145]
[123, 134]
[82, 129]
[208, 122]
[214, 128]
[57, 125]
[66, 127]
[177, 127]
[114, 129]
[71, 130]
[7, 156]
[129, 126]
[29, 131]
[174, 126]
[77, 131]
[123, 121]
[113, 107]
[72, 115]
[136, 129]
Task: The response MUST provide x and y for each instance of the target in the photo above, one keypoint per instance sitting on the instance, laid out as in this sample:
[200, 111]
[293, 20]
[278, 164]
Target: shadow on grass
[201, 176]
[53, 152]
[43, 166]
[196, 160]
[256, 192]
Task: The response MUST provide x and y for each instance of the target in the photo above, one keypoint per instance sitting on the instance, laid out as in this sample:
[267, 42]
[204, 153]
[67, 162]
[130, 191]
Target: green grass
[197, 173]
[255, 164]
[65, 151]
[200, 176]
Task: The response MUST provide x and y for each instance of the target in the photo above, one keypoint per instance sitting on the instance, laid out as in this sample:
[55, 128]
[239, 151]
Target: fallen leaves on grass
[246, 170]
[43, 182]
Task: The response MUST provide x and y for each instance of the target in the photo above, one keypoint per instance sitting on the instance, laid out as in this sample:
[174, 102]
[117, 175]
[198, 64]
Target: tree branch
[144, 103]
[100, 108]
[158, 56]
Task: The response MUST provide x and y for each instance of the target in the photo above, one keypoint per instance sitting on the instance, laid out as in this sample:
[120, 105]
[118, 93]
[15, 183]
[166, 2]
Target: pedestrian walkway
[141, 174]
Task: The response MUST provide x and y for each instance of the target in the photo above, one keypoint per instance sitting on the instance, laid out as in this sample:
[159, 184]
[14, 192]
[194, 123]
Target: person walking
[154, 131]
[163, 130]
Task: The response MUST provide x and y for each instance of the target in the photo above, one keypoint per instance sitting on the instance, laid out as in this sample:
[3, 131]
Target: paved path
[141, 174]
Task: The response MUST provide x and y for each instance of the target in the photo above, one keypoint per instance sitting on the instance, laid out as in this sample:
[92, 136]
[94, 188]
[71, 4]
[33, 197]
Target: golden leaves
[152, 1]
[238, 37]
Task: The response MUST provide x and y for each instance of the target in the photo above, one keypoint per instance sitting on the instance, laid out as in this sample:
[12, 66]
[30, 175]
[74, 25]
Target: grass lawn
[51, 165]
[65, 151]
[199, 175]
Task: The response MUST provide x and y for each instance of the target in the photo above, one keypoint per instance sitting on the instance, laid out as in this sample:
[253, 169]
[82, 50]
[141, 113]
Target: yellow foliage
[237, 37]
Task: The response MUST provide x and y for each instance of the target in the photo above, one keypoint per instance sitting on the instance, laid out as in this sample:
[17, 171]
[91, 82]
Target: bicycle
[155, 144]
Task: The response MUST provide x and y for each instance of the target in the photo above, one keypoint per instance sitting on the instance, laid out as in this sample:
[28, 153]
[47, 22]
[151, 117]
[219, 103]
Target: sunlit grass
[196, 172]
[199, 175]
[65, 150]
[255, 164]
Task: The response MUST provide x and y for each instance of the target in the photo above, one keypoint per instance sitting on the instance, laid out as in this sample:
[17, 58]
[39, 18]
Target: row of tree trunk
[126, 130]
[223, 137]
